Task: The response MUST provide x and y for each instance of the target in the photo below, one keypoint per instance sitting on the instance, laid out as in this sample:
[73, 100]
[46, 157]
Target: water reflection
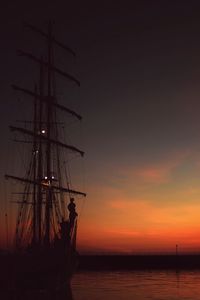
[127, 285]
[137, 285]
[62, 294]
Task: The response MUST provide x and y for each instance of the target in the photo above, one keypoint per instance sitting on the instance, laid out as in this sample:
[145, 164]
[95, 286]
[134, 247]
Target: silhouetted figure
[72, 211]
[64, 231]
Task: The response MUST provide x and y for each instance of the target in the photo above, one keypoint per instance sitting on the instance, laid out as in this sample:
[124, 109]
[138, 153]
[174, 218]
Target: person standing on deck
[72, 211]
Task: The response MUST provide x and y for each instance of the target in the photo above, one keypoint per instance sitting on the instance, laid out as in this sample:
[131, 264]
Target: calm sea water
[136, 285]
[130, 285]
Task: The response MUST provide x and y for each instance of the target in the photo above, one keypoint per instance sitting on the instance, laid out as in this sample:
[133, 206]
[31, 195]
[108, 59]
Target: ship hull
[37, 270]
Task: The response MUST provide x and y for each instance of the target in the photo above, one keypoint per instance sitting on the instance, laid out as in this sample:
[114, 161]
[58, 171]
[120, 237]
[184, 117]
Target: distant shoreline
[139, 262]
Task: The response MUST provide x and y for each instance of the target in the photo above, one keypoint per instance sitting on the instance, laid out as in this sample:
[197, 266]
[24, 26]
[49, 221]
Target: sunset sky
[139, 67]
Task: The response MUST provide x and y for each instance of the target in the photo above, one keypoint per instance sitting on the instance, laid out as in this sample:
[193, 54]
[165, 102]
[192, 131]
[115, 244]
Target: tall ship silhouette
[46, 227]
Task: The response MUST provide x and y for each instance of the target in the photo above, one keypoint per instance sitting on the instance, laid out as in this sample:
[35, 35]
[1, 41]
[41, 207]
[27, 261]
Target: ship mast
[48, 146]
[41, 182]
[35, 171]
[38, 216]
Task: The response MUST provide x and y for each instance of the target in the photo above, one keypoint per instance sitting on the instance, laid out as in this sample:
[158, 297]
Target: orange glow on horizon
[151, 208]
[154, 213]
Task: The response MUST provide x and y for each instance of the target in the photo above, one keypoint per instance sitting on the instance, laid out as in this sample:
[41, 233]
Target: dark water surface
[136, 285]
[122, 285]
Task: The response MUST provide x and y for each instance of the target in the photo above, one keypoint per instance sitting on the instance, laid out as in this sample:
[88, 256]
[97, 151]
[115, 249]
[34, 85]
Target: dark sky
[134, 61]
[139, 67]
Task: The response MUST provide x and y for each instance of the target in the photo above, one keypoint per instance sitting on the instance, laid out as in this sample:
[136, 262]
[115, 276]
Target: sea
[122, 285]
[136, 285]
